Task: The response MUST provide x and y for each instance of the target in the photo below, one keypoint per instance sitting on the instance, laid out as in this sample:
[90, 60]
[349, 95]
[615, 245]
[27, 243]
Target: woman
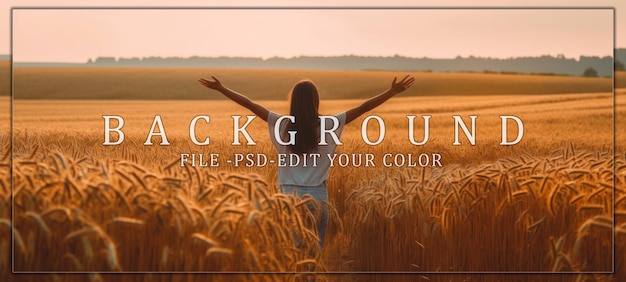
[305, 127]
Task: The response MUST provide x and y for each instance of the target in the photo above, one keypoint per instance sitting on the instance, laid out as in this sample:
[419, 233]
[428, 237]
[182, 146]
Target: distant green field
[620, 79]
[5, 76]
[174, 83]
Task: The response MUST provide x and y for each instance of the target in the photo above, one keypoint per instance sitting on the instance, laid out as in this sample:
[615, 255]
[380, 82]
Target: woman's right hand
[215, 84]
[406, 82]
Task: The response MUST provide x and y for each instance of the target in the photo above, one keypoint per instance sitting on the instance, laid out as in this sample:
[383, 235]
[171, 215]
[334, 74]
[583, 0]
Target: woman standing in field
[305, 123]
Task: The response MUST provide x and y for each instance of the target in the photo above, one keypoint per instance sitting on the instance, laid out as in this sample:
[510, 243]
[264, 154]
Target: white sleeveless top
[303, 172]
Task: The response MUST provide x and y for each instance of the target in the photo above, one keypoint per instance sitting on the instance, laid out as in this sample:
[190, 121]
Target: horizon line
[92, 60]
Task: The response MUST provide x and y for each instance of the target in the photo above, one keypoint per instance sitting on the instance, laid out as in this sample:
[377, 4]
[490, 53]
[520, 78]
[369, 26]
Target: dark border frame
[314, 8]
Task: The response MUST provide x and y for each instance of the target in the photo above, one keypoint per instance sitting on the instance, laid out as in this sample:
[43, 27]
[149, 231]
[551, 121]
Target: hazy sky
[77, 35]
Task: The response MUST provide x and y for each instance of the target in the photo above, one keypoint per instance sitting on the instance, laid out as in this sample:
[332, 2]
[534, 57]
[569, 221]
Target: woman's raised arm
[396, 87]
[240, 99]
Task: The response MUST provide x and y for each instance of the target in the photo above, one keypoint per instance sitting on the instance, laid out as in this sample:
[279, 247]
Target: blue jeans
[319, 193]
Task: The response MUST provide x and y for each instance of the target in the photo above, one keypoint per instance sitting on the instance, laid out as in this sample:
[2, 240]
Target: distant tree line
[619, 66]
[543, 64]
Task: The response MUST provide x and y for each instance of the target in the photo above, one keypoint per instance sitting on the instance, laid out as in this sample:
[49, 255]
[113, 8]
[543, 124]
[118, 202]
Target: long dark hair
[305, 102]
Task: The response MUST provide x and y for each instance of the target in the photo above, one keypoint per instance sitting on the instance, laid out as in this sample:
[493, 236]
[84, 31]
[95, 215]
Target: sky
[65, 35]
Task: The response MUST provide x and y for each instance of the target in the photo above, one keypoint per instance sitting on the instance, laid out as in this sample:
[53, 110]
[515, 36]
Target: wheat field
[179, 83]
[545, 204]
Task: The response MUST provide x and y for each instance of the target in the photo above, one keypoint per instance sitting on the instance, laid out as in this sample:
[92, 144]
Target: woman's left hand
[215, 84]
